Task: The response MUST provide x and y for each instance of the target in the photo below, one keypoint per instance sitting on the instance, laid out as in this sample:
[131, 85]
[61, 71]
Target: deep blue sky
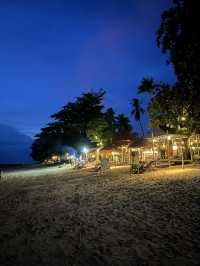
[51, 51]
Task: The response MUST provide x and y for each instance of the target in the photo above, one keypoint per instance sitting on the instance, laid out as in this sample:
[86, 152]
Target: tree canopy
[123, 128]
[137, 111]
[179, 36]
[169, 107]
[80, 123]
[176, 107]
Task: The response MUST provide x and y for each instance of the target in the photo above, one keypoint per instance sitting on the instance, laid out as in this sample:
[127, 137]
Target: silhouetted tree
[99, 132]
[79, 123]
[147, 86]
[78, 114]
[137, 112]
[70, 126]
[110, 118]
[179, 36]
[169, 107]
[123, 130]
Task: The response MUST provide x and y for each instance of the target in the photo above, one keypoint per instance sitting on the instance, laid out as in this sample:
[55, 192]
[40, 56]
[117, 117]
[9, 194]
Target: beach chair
[137, 168]
[103, 166]
[79, 166]
[141, 167]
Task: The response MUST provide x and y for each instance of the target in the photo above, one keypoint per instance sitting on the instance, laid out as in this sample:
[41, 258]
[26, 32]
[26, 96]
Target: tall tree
[146, 86]
[137, 112]
[179, 36]
[86, 108]
[69, 126]
[99, 132]
[169, 107]
[123, 128]
[110, 117]
[78, 123]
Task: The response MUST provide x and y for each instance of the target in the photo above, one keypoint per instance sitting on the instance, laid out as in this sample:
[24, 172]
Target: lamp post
[197, 145]
[182, 157]
[85, 151]
[153, 146]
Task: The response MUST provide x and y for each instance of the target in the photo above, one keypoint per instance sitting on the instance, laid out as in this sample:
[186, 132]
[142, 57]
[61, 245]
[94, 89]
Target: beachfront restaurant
[160, 148]
[168, 147]
[194, 144]
[95, 154]
[118, 155]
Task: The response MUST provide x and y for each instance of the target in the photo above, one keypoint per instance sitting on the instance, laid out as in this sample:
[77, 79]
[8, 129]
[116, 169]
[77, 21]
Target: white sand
[64, 217]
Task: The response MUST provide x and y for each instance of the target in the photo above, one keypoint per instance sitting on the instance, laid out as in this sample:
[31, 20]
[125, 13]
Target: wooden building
[163, 147]
[171, 147]
[119, 154]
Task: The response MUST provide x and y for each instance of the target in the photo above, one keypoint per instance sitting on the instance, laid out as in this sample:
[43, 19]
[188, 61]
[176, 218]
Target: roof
[101, 149]
[172, 136]
[92, 150]
[139, 143]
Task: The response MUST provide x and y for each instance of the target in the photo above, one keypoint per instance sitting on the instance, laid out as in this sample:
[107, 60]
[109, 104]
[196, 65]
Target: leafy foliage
[147, 85]
[137, 109]
[170, 107]
[78, 114]
[102, 131]
[70, 126]
[79, 123]
[99, 132]
[123, 130]
[176, 107]
[179, 35]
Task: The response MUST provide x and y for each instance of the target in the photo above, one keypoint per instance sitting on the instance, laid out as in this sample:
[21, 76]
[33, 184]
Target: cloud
[14, 146]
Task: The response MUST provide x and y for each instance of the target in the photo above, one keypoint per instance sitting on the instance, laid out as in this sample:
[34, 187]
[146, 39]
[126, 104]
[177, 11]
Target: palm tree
[123, 127]
[137, 112]
[147, 85]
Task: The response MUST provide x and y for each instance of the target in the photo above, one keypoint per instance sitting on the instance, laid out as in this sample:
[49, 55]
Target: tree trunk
[187, 155]
[141, 127]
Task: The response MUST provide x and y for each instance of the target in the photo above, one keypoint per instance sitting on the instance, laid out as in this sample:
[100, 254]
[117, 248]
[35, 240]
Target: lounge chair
[141, 167]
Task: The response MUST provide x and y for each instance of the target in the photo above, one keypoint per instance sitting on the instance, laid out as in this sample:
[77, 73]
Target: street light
[169, 138]
[85, 149]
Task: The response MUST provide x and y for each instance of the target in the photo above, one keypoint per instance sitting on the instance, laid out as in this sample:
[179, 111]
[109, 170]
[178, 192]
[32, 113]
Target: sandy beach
[65, 217]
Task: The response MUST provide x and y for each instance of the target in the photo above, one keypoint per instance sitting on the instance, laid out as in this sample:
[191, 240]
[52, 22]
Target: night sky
[51, 51]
